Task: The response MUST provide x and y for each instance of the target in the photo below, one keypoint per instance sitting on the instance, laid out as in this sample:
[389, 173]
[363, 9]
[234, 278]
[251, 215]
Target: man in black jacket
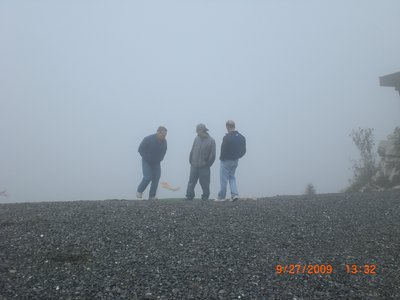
[152, 149]
[233, 147]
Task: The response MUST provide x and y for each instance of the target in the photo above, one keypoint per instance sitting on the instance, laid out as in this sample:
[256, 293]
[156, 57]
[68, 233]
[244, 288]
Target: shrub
[366, 167]
[310, 189]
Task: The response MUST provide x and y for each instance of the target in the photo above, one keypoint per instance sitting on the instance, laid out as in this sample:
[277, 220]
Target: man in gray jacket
[201, 158]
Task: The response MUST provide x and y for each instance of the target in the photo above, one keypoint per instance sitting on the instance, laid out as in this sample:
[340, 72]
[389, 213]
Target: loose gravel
[177, 249]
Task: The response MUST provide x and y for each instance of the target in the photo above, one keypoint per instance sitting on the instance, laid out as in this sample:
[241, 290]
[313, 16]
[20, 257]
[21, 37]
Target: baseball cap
[201, 126]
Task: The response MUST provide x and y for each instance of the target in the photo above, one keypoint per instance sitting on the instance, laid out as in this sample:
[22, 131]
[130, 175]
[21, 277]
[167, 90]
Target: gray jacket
[203, 152]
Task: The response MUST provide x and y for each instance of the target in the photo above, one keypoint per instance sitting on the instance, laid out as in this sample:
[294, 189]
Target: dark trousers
[203, 175]
[151, 172]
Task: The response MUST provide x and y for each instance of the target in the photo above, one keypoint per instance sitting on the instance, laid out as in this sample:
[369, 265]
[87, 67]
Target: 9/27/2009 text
[325, 269]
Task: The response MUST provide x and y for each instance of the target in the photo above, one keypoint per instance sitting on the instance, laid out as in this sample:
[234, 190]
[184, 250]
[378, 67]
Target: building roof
[391, 80]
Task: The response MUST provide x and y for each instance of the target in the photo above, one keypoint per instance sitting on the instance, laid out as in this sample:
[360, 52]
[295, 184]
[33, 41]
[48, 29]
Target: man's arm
[143, 147]
[191, 153]
[223, 148]
[243, 146]
[211, 156]
[164, 151]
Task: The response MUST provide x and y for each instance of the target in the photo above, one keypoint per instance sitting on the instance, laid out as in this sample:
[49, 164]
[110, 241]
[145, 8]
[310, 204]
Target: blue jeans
[151, 172]
[227, 173]
[201, 174]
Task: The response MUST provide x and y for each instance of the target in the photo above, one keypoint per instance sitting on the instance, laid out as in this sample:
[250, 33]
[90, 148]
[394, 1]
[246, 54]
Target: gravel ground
[176, 249]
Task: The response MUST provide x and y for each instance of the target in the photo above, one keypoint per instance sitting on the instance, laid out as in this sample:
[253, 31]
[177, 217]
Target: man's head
[161, 133]
[230, 125]
[201, 130]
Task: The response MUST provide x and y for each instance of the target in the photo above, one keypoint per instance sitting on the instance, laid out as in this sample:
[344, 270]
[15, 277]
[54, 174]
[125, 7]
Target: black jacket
[152, 150]
[233, 146]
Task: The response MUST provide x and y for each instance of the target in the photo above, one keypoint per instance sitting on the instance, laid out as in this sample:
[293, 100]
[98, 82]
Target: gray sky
[82, 82]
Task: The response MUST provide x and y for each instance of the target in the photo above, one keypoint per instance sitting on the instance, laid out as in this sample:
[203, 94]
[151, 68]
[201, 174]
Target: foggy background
[83, 82]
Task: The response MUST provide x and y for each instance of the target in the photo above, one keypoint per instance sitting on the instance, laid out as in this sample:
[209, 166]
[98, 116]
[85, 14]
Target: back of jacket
[203, 152]
[233, 146]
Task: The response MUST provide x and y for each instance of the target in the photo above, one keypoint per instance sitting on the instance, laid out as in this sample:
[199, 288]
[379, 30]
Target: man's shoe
[188, 199]
[153, 198]
[139, 195]
[219, 200]
[234, 198]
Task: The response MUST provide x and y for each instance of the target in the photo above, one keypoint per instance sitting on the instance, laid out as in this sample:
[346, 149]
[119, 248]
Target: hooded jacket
[203, 152]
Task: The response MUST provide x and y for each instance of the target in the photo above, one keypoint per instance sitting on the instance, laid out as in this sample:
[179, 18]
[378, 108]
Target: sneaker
[219, 200]
[234, 198]
[139, 195]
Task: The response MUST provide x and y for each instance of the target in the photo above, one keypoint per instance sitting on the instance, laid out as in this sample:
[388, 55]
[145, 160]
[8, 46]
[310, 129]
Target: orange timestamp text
[294, 269]
[324, 269]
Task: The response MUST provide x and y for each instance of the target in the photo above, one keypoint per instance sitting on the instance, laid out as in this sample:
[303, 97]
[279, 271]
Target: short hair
[230, 124]
[161, 128]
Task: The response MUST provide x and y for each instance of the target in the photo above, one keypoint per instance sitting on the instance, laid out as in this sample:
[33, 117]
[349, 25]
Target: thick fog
[83, 82]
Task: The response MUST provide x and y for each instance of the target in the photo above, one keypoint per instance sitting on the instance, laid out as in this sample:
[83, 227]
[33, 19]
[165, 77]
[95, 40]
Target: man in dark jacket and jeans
[233, 147]
[201, 158]
[152, 149]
